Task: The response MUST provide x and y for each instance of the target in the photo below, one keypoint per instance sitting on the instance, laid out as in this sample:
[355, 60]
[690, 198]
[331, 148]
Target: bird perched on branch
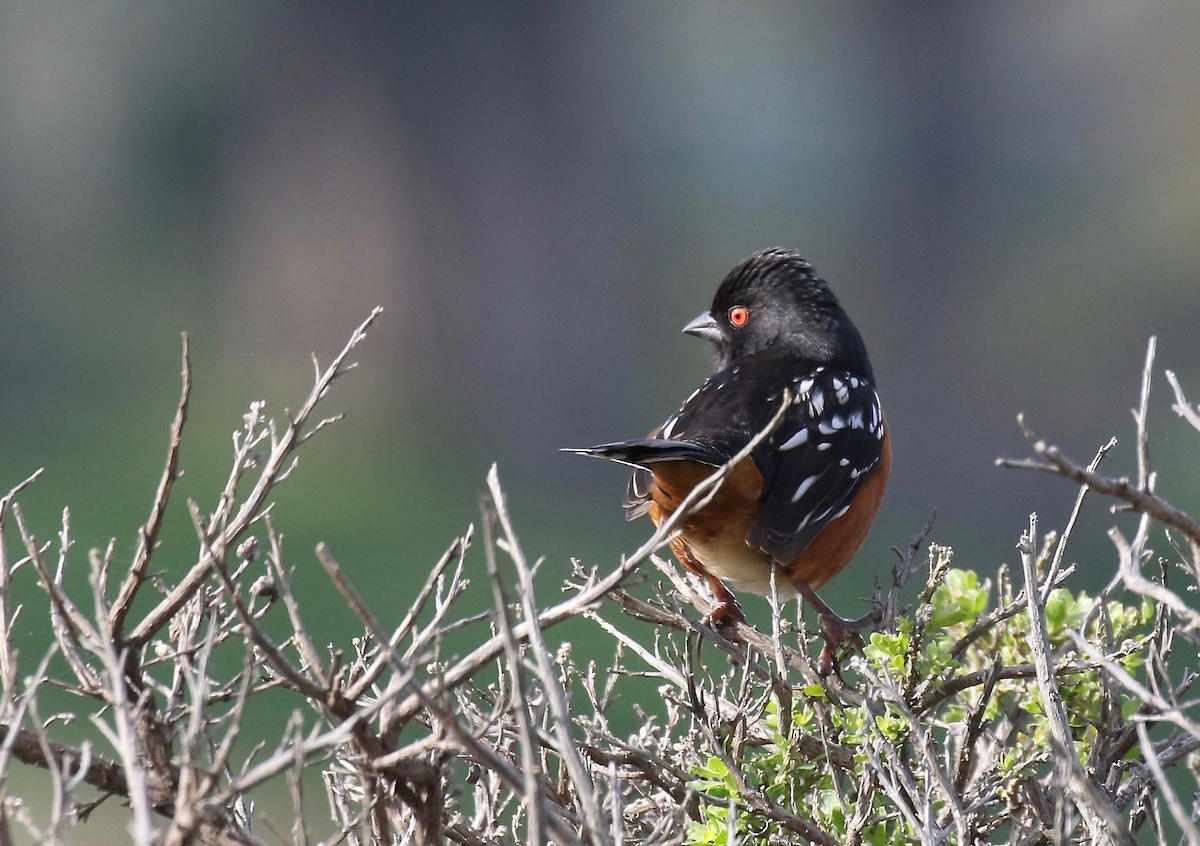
[804, 499]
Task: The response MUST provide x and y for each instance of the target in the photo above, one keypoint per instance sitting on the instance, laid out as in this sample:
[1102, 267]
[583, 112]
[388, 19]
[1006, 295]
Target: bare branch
[8, 615]
[1183, 818]
[148, 533]
[535, 805]
[1182, 407]
[1140, 419]
[254, 632]
[1143, 501]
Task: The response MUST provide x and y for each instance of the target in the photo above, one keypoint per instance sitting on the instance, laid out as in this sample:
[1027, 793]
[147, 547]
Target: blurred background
[1005, 196]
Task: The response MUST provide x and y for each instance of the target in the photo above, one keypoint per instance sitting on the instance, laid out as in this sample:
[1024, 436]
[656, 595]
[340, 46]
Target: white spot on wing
[794, 441]
[856, 420]
[803, 488]
[840, 389]
[808, 518]
[828, 427]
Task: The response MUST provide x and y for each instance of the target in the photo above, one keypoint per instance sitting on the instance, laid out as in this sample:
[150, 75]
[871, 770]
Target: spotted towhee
[807, 496]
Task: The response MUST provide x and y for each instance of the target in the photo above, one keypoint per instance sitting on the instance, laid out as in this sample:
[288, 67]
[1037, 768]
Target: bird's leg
[727, 608]
[836, 626]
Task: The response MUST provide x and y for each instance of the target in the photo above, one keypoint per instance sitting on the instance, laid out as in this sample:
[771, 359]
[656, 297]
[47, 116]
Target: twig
[1098, 811]
[534, 802]
[1184, 819]
[31, 747]
[455, 553]
[1147, 503]
[585, 788]
[1182, 407]
[1130, 557]
[123, 738]
[254, 632]
[1051, 581]
[148, 533]
[8, 615]
[283, 583]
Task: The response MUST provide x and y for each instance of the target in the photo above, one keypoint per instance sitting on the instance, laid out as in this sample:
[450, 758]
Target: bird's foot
[837, 629]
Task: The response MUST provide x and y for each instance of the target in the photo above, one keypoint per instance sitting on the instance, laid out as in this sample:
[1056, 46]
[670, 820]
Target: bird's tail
[647, 451]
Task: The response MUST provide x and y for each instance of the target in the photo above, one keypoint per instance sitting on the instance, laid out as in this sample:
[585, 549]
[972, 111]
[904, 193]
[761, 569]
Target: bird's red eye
[738, 315]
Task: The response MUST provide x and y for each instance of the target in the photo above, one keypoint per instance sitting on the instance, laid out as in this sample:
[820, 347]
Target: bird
[802, 501]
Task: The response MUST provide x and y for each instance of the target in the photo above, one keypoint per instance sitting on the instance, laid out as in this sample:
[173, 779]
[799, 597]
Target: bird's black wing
[815, 462]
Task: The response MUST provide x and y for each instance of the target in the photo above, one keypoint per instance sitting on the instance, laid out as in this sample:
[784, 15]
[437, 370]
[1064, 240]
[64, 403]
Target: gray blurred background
[1005, 196]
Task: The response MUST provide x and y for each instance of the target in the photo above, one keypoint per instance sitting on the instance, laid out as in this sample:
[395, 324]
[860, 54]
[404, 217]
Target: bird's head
[774, 300]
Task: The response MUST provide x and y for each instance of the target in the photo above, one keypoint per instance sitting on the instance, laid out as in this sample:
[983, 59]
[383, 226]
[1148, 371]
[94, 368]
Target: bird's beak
[705, 327]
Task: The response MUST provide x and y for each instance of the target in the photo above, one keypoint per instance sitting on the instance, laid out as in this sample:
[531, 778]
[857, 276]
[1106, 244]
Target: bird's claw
[837, 629]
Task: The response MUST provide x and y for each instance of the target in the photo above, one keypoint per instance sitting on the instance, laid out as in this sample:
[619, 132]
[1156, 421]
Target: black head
[774, 300]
